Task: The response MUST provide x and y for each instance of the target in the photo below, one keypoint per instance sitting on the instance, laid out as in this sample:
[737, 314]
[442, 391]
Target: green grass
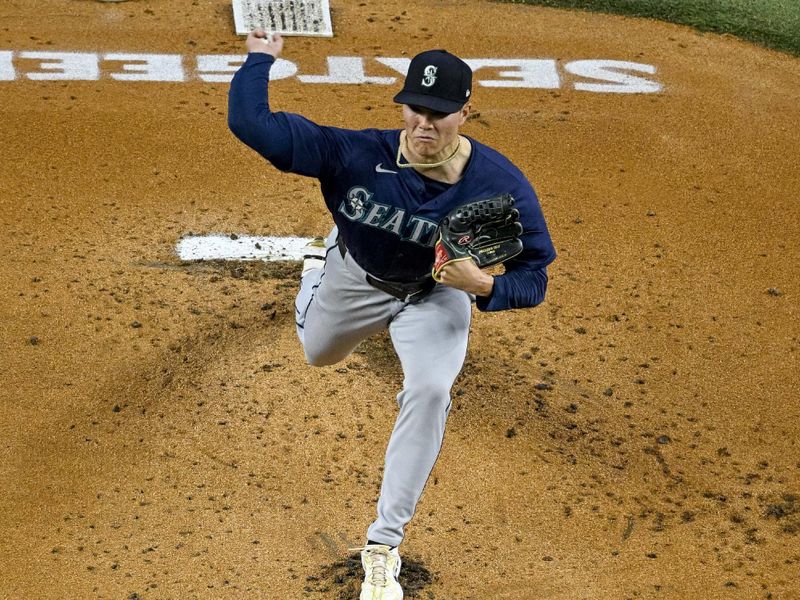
[771, 23]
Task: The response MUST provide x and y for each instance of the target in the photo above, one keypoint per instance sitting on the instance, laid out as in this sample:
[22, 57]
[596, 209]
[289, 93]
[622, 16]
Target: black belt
[411, 292]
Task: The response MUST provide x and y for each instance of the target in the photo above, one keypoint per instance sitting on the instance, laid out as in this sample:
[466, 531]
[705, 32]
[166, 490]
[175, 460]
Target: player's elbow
[264, 133]
[243, 121]
[539, 288]
[238, 125]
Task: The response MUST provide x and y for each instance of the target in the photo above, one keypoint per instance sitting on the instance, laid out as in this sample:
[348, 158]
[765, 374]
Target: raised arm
[249, 116]
[289, 141]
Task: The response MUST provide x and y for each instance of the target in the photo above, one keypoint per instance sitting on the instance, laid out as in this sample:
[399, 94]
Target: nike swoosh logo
[379, 169]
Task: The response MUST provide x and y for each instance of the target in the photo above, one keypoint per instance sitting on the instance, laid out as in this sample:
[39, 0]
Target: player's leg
[336, 308]
[431, 341]
[310, 280]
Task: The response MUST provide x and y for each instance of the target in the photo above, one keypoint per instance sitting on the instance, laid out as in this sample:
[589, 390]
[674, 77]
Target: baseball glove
[486, 231]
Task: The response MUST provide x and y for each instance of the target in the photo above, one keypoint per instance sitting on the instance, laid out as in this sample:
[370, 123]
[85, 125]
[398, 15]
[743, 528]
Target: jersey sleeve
[289, 141]
[516, 288]
[524, 283]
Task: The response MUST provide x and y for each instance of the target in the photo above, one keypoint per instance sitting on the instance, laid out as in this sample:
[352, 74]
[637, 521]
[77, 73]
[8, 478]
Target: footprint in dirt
[344, 579]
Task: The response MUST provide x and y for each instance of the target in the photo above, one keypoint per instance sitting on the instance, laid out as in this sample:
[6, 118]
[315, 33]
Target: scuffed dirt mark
[344, 577]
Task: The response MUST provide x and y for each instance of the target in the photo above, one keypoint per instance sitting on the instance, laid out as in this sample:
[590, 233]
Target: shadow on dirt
[252, 270]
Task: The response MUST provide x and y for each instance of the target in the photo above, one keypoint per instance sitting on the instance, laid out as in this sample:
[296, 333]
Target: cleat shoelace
[377, 559]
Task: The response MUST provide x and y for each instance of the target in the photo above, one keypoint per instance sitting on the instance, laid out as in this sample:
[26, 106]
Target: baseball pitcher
[418, 213]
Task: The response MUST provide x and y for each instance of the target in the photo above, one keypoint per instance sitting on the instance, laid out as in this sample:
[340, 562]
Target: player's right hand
[266, 43]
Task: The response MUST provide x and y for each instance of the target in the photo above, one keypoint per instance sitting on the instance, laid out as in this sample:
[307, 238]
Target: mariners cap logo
[429, 76]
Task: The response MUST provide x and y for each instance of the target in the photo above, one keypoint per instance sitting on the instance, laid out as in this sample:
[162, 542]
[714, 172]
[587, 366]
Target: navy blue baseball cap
[438, 81]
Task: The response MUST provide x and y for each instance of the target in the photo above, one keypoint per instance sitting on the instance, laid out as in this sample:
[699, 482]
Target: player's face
[431, 134]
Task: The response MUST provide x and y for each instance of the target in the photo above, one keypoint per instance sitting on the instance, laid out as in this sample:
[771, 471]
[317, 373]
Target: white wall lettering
[282, 69]
[65, 66]
[220, 68]
[148, 67]
[613, 71]
[7, 72]
[398, 64]
[345, 69]
[526, 73]
[599, 76]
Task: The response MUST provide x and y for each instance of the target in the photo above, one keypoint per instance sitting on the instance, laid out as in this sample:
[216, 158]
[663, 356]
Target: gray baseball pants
[335, 310]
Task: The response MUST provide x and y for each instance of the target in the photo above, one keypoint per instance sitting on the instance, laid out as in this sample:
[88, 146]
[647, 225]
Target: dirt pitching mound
[632, 437]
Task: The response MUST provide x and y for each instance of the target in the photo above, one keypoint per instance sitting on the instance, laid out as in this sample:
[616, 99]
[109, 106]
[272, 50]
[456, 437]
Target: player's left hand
[465, 275]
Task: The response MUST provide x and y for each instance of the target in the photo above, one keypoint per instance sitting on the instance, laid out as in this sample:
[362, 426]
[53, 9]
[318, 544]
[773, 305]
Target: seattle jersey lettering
[359, 207]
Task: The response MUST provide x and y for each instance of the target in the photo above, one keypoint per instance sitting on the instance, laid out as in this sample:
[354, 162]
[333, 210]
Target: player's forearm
[521, 288]
[248, 96]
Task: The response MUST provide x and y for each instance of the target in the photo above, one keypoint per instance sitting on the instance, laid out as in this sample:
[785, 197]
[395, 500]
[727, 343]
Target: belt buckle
[419, 295]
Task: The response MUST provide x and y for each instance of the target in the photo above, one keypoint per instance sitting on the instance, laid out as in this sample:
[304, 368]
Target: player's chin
[427, 150]
[427, 143]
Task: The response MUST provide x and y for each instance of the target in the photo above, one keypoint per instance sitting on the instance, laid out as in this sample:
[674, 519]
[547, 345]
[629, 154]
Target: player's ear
[465, 110]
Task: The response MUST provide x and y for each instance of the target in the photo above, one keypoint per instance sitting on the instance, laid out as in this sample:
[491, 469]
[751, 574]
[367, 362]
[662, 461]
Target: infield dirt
[635, 436]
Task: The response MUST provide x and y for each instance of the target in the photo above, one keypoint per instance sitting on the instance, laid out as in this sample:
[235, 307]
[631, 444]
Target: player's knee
[317, 359]
[433, 395]
[321, 357]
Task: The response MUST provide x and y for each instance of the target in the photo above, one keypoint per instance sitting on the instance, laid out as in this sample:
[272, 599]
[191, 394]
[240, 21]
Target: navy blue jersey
[388, 216]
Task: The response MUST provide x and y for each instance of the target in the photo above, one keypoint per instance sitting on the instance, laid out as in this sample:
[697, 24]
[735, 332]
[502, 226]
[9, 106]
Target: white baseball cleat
[381, 568]
[313, 255]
